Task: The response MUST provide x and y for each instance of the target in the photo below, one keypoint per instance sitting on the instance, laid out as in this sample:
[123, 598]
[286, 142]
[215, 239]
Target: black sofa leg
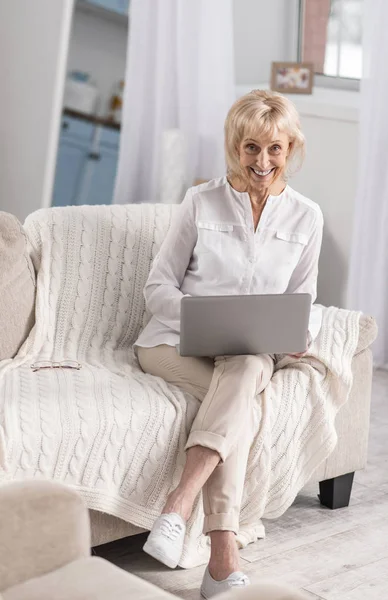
[335, 493]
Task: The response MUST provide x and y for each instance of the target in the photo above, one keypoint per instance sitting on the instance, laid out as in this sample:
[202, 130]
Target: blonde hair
[262, 113]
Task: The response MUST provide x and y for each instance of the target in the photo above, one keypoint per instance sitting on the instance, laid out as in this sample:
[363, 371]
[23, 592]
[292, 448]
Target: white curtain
[179, 86]
[368, 281]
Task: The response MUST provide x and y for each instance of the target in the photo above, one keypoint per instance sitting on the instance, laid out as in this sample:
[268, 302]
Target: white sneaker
[210, 587]
[165, 541]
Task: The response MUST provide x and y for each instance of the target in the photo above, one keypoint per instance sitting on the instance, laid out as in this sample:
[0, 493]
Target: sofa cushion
[86, 579]
[17, 287]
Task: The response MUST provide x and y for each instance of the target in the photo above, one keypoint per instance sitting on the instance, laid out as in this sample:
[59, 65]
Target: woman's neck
[258, 197]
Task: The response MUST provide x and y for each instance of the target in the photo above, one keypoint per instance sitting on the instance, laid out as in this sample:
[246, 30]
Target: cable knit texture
[116, 434]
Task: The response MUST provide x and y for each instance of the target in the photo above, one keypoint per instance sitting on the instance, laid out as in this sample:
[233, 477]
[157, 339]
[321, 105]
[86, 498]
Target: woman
[247, 233]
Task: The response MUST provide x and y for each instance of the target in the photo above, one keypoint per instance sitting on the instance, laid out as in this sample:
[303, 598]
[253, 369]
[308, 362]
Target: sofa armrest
[43, 526]
[368, 333]
[352, 424]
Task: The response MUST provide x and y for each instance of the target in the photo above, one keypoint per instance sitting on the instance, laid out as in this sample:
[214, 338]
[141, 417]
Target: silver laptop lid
[251, 324]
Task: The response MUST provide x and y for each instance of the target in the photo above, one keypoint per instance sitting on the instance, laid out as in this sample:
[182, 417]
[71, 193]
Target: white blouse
[211, 248]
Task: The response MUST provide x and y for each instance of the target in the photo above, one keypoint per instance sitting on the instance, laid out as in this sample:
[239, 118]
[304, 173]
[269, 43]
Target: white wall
[329, 177]
[330, 122]
[264, 31]
[33, 49]
[98, 45]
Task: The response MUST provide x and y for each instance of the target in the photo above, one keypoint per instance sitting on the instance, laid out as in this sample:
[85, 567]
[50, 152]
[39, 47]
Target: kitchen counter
[104, 121]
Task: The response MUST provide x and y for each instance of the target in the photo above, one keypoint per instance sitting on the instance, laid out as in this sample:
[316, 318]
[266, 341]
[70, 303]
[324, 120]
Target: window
[331, 32]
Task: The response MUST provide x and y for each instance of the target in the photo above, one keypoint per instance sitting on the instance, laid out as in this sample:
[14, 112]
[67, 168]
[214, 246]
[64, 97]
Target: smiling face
[263, 159]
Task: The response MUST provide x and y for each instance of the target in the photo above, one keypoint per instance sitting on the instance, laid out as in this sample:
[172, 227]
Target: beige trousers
[226, 388]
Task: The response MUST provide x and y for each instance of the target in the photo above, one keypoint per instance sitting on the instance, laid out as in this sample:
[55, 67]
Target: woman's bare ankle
[179, 503]
[224, 559]
[221, 570]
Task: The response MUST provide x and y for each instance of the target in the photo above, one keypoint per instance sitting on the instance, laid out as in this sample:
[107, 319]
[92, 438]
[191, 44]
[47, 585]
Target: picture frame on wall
[292, 77]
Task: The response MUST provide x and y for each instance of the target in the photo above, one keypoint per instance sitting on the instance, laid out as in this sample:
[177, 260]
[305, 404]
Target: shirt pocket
[213, 237]
[294, 237]
[288, 246]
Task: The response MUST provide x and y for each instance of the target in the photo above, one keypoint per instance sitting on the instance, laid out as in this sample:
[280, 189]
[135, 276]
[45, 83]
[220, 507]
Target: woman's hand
[298, 355]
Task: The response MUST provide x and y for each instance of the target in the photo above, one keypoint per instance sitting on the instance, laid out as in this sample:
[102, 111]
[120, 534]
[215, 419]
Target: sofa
[133, 235]
[45, 553]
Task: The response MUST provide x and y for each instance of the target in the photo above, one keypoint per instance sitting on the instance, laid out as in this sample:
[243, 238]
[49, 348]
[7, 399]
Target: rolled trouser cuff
[221, 522]
[210, 440]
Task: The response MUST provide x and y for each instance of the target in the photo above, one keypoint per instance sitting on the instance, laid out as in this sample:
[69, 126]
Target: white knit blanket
[118, 435]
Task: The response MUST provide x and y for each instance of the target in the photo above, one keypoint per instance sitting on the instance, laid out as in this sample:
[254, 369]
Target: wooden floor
[333, 555]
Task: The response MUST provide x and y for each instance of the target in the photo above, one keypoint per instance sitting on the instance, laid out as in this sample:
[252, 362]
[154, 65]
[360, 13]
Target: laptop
[251, 324]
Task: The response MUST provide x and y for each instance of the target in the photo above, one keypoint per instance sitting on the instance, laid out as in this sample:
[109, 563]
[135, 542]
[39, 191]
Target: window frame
[320, 80]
